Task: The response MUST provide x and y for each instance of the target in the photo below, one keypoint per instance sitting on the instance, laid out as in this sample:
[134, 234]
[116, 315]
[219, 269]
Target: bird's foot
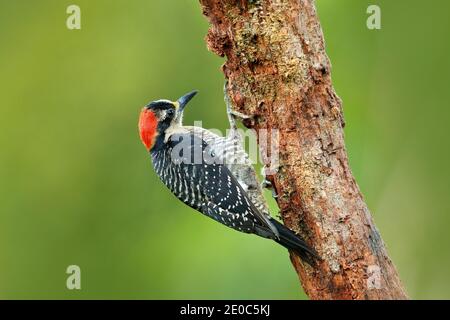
[266, 184]
[232, 114]
[274, 194]
[237, 114]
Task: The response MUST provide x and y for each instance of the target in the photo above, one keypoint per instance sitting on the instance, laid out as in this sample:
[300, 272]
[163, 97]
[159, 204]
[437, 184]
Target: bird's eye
[170, 112]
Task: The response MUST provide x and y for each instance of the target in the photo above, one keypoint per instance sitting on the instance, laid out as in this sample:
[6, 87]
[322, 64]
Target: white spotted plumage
[209, 188]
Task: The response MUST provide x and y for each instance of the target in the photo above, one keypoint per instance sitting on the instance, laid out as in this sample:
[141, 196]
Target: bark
[278, 72]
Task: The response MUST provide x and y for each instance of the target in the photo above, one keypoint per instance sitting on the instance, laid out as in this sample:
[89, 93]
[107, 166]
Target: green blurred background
[76, 184]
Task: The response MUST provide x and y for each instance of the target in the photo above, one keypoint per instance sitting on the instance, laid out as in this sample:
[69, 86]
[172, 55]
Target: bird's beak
[183, 101]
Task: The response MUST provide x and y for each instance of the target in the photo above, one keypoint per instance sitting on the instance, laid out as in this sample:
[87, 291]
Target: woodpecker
[189, 161]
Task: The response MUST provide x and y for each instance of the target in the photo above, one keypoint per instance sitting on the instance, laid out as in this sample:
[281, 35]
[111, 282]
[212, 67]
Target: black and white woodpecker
[195, 165]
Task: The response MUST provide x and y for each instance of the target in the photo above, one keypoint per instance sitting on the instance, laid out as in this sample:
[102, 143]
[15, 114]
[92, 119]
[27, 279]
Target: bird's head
[160, 115]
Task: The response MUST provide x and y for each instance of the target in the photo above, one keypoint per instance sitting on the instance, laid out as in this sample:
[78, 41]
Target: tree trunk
[278, 73]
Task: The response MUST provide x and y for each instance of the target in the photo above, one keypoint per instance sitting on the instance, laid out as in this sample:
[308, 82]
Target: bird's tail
[291, 241]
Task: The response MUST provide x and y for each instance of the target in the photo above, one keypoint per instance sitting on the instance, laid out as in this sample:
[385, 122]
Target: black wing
[219, 194]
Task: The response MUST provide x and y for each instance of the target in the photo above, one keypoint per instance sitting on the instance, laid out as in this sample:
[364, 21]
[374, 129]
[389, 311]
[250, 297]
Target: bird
[190, 163]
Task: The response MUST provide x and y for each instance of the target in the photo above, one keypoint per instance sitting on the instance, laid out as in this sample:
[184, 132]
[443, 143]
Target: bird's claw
[232, 114]
[240, 115]
[266, 184]
[274, 194]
